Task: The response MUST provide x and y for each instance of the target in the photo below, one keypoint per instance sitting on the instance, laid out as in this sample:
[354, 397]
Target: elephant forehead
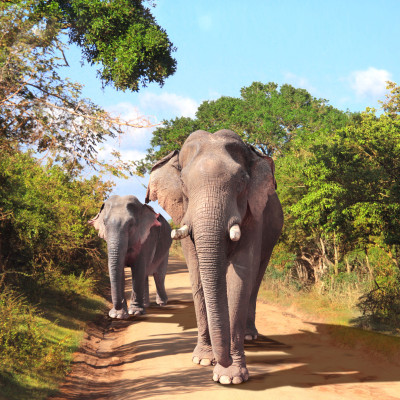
[210, 165]
[216, 168]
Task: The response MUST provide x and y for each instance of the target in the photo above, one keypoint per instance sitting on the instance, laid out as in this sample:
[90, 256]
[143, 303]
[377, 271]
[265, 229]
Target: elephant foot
[161, 302]
[203, 355]
[232, 374]
[251, 332]
[118, 314]
[134, 310]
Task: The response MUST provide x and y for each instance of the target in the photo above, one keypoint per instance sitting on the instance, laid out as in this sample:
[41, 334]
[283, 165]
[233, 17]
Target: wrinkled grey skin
[214, 182]
[139, 238]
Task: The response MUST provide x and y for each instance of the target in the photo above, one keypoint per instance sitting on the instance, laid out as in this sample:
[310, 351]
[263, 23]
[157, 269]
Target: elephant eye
[242, 182]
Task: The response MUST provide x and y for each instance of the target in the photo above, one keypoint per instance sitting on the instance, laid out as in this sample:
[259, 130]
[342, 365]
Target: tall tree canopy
[337, 172]
[266, 116]
[120, 36]
[341, 188]
[40, 109]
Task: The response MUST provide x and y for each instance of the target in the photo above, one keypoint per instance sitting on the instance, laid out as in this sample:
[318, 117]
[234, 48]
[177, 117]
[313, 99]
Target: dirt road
[150, 358]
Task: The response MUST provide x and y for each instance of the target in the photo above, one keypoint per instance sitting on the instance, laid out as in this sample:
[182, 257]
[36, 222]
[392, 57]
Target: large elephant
[222, 194]
[139, 238]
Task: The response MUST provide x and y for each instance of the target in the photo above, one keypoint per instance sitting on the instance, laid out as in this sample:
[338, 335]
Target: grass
[37, 342]
[336, 313]
[312, 303]
[176, 250]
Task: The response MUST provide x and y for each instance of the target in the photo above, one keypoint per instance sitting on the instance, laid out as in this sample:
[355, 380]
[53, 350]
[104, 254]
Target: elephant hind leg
[251, 332]
[159, 280]
[146, 297]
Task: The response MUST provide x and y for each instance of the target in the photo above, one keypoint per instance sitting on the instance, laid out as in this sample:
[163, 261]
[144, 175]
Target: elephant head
[125, 223]
[216, 188]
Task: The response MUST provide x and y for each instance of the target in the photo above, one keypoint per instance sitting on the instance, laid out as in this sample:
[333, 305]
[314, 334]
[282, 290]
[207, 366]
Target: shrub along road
[150, 358]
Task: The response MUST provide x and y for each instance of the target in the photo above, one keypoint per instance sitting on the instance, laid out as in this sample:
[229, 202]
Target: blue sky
[339, 50]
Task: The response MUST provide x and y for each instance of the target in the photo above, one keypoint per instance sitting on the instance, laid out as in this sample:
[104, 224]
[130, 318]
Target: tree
[350, 194]
[264, 115]
[122, 37]
[41, 110]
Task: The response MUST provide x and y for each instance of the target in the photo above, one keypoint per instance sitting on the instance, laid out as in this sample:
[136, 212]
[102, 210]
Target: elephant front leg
[202, 354]
[238, 288]
[119, 310]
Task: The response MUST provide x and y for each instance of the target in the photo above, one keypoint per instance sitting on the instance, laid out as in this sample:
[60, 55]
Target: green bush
[50, 258]
[44, 212]
[23, 343]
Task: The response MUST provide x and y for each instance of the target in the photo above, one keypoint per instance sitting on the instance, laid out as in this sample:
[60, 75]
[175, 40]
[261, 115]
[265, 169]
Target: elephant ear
[262, 182]
[98, 223]
[165, 186]
[147, 219]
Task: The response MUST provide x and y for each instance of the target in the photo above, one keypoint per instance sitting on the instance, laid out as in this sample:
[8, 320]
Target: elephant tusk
[234, 233]
[180, 233]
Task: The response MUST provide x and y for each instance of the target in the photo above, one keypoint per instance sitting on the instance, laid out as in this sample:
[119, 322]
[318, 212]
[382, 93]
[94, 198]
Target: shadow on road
[299, 360]
[284, 364]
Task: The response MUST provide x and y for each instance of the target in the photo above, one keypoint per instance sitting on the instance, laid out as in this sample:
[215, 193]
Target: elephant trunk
[116, 262]
[210, 237]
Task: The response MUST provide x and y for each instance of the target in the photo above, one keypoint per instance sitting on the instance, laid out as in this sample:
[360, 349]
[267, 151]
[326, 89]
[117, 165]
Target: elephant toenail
[206, 362]
[225, 380]
[196, 360]
[236, 380]
[215, 378]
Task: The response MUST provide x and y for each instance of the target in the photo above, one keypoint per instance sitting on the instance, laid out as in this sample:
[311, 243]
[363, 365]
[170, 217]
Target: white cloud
[300, 82]
[127, 153]
[167, 105]
[370, 83]
[147, 114]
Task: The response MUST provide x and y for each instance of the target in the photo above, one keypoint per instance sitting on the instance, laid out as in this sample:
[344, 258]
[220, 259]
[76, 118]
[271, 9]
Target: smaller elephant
[139, 238]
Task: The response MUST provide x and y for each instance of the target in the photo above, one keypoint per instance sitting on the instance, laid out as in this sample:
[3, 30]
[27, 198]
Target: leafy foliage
[120, 36]
[23, 346]
[38, 108]
[44, 213]
[338, 177]
[51, 261]
[266, 116]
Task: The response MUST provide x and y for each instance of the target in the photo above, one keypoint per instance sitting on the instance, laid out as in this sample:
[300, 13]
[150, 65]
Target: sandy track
[150, 358]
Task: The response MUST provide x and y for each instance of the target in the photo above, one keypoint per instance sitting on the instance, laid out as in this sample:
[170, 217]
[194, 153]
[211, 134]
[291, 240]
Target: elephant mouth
[183, 232]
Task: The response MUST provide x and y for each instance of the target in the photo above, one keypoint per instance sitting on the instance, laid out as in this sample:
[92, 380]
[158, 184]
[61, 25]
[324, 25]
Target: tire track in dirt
[150, 358]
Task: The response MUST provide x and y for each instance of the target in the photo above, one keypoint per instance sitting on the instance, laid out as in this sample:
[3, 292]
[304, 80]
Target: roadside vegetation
[53, 268]
[338, 176]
